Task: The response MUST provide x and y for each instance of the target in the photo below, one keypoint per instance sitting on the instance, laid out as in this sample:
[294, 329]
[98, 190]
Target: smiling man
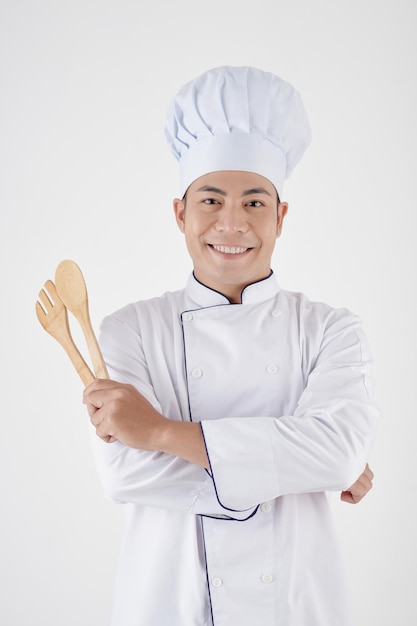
[233, 220]
[234, 405]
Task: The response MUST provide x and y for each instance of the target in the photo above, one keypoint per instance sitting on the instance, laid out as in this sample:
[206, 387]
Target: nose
[232, 219]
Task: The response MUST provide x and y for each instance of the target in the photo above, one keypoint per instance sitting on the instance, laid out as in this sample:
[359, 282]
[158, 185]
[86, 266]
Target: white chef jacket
[281, 387]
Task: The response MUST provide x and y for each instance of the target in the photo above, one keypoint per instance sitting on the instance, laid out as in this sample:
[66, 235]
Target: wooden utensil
[53, 316]
[72, 290]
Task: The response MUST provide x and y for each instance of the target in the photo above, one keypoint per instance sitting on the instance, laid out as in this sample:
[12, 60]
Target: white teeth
[227, 250]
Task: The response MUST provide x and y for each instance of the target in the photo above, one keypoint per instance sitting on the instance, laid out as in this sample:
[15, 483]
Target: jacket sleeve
[141, 477]
[323, 446]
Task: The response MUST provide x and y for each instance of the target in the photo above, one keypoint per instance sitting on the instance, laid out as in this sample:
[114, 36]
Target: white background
[86, 174]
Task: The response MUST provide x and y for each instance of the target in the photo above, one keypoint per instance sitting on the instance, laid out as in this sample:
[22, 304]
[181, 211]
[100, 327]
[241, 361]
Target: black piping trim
[204, 308]
[211, 473]
[211, 289]
[205, 561]
[207, 572]
[232, 519]
[241, 293]
[256, 282]
[185, 368]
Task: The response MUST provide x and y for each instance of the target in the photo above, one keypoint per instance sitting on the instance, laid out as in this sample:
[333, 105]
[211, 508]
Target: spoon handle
[99, 366]
[77, 360]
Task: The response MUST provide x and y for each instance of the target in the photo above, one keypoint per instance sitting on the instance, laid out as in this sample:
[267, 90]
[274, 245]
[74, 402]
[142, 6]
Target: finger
[357, 492]
[101, 429]
[95, 413]
[104, 436]
[346, 496]
[101, 383]
[96, 419]
[351, 497]
[364, 481]
[363, 484]
[369, 473]
[106, 439]
[98, 385]
[94, 399]
[91, 410]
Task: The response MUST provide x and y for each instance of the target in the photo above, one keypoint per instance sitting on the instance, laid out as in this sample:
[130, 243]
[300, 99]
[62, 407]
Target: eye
[210, 201]
[255, 203]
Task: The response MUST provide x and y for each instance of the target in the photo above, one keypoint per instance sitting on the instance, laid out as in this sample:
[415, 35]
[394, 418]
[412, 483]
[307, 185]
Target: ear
[282, 212]
[179, 211]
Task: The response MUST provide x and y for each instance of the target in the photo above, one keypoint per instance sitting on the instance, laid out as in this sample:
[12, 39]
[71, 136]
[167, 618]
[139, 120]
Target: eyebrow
[247, 192]
[212, 189]
[250, 192]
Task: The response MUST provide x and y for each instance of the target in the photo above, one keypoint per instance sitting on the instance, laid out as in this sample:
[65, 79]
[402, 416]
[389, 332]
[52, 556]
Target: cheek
[193, 236]
[198, 225]
[270, 232]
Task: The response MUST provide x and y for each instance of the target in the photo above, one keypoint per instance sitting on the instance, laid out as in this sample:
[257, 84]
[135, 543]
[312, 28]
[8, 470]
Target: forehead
[231, 181]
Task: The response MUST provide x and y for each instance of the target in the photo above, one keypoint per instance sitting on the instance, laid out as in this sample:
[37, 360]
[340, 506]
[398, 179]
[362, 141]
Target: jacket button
[272, 369]
[217, 582]
[266, 507]
[267, 578]
[276, 313]
[196, 372]
[187, 317]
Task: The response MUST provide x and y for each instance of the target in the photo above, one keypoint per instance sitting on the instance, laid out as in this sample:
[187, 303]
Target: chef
[233, 405]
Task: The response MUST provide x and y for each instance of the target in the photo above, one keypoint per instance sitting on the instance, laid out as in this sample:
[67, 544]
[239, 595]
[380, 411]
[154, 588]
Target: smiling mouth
[229, 249]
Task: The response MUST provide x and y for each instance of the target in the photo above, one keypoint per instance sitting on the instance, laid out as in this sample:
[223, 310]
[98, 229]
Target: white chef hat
[237, 118]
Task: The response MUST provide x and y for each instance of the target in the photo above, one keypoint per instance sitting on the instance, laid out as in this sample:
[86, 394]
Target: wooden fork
[53, 316]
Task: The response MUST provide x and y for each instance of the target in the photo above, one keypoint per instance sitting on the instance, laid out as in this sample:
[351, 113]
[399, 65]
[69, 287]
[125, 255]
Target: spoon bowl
[72, 290]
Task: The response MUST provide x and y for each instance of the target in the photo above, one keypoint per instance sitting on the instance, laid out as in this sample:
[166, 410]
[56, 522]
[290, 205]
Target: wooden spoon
[72, 290]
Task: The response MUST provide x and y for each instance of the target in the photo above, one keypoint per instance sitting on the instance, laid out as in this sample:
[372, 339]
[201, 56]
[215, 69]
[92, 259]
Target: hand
[360, 488]
[120, 412]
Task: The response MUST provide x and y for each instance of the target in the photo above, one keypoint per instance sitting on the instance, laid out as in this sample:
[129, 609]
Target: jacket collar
[204, 296]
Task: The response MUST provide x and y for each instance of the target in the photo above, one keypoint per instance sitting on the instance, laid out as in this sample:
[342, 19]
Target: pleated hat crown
[237, 118]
